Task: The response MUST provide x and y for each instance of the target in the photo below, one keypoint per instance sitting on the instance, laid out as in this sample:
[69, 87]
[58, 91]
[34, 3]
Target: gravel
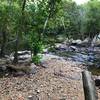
[61, 80]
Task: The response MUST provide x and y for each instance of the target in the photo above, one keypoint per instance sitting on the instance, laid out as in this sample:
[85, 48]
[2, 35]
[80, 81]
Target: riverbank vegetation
[31, 25]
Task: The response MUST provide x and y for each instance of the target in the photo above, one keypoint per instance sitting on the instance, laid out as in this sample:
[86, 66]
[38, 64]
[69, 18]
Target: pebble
[34, 97]
[38, 91]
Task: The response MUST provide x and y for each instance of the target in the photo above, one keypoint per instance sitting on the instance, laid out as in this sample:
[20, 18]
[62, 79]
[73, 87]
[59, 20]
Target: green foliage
[35, 44]
[93, 17]
[42, 21]
[36, 59]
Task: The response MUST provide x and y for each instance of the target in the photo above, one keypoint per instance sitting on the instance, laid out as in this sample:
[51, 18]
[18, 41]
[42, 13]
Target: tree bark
[2, 52]
[89, 86]
[15, 61]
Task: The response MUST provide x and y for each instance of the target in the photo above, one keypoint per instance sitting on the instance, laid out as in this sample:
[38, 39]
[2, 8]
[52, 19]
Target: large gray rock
[23, 56]
[86, 40]
[46, 57]
[77, 41]
[96, 41]
[22, 69]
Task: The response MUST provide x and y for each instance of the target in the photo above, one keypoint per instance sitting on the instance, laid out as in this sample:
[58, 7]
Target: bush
[36, 59]
[36, 46]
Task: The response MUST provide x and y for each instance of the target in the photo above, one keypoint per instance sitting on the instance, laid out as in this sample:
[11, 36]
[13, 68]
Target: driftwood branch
[89, 86]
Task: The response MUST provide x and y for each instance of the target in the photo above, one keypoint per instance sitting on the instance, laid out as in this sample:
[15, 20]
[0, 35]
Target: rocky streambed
[58, 77]
[88, 56]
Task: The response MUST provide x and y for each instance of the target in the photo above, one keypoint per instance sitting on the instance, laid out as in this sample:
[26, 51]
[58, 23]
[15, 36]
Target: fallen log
[89, 86]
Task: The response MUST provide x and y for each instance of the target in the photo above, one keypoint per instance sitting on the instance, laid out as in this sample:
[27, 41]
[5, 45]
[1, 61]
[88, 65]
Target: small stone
[34, 97]
[41, 85]
[30, 97]
[38, 91]
[6, 74]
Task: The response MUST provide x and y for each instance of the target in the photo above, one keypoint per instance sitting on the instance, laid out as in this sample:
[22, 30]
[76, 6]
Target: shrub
[36, 59]
[36, 46]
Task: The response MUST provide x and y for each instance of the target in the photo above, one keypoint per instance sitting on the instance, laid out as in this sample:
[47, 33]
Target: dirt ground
[60, 80]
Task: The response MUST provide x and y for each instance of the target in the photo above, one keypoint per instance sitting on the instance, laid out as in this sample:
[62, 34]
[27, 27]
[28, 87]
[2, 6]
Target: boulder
[86, 40]
[77, 41]
[57, 45]
[97, 43]
[23, 56]
[73, 48]
[24, 52]
[31, 69]
[61, 47]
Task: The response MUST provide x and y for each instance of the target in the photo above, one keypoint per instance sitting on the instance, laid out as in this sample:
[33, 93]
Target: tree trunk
[23, 6]
[2, 52]
[15, 61]
[89, 86]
